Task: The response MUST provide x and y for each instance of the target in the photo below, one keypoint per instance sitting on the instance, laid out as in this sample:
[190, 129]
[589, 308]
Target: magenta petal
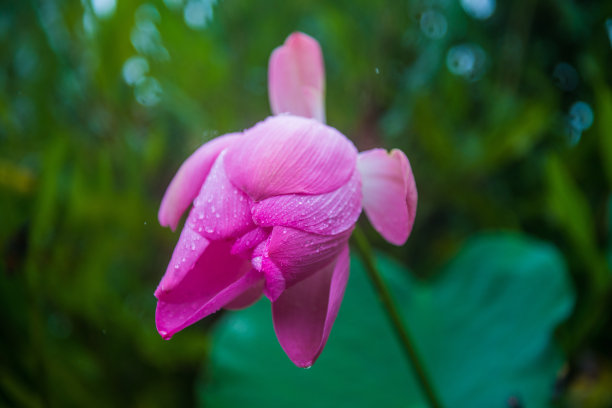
[389, 193]
[248, 297]
[189, 179]
[214, 280]
[185, 256]
[296, 78]
[304, 314]
[290, 155]
[326, 214]
[247, 242]
[292, 255]
[220, 211]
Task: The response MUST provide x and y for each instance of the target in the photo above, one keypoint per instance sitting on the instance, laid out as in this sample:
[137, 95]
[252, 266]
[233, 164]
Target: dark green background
[85, 158]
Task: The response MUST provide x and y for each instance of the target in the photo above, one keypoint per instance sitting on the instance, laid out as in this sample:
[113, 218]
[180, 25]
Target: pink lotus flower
[273, 209]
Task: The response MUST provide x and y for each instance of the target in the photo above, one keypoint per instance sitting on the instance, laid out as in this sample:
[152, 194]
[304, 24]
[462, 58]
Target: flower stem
[365, 251]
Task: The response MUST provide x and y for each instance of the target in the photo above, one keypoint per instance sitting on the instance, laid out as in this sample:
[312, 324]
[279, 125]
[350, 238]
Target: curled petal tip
[296, 78]
[165, 335]
[389, 193]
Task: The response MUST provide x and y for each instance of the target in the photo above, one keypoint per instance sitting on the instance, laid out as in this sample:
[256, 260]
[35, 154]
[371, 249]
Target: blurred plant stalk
[362, 245]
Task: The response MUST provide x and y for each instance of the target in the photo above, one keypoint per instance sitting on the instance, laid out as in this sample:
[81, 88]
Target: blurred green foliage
[99, 107]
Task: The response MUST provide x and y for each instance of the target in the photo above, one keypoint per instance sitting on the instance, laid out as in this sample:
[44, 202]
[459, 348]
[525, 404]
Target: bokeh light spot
[581, 115]
[467, 60]
[104, 8]
[433, 24]
[198, 13]
[479, 9]
[134, 69]
[148, 91]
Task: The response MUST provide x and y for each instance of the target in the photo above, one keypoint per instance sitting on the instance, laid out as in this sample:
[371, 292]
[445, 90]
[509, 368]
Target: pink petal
[189, 179]
[290, 155]
[326, 214]
[247, 242]
[220, 211]
[213, 281]
[187, 252]
[248, 297]
[304, 314]
[296, 78]
[292, 255]
[389, 193]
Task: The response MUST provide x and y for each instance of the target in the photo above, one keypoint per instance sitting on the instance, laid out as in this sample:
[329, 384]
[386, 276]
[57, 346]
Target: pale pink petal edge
[389, 193]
